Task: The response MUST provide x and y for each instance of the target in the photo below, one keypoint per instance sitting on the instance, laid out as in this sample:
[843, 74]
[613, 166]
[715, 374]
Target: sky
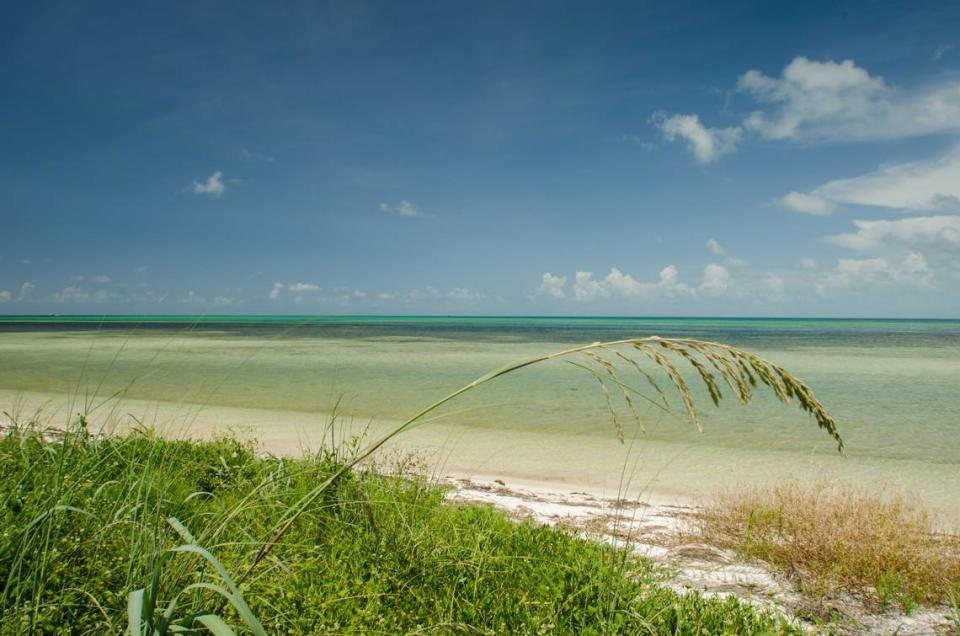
[509, 158]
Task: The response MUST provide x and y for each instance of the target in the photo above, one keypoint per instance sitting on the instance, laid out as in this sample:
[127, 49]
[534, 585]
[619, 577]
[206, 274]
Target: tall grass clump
[830, 538]
[714, 363]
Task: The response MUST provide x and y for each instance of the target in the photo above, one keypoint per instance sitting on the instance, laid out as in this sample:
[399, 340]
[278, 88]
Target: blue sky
[481, 158]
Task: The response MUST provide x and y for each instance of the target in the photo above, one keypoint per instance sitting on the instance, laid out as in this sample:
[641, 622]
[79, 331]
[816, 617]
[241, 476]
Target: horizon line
[89, 316]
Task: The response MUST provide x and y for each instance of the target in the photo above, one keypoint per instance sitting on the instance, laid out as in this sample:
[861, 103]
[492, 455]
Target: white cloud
[585, 288]
[807, 204]
[386, 296]
[301, 287]
[716, 279]
[840, 101]
[102, 279]
[5, 296]
[913, 252]
[851, 272]
[862, 266]
[706, 144]
[619, 285]
[939, 233]
[808, 263]
[25, 290]
[813, 101]
[715, 248]
[221, 301]
[141, 269]
[212, 185]
[718, 250]
[915, 263]
[404, 208]
[932, 184]
[552, 286]
[914, 267]
[275, 291]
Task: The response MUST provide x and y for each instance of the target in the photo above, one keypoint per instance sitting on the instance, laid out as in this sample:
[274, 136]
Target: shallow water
[894, 387]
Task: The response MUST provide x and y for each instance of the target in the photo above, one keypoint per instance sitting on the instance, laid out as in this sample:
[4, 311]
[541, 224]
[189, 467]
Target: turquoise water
[893, 385]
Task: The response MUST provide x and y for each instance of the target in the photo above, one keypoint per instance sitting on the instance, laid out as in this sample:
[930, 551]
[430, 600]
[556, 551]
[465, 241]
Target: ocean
[892, 385]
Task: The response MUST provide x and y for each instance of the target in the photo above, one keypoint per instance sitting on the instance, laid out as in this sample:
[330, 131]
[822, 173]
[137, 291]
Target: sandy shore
[655, 528]
[598, 465]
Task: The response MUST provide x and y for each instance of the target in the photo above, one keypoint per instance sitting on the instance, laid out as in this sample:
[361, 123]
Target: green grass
[160, 537]
[89, 520]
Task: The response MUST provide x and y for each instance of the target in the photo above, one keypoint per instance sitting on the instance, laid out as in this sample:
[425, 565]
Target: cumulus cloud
[5, 296]
[808, 263]
[851, 272]
[716, 249]
[915, 263]
[716, 279]
[212, 185]
[275, 291]
[940, 233]
[807, 204]
[922, 251]
[552, 286]
[403, 208]
[822, 101]
[840, 101]
[932, 184]
[102, 279]
[705, 144]
[616, 284]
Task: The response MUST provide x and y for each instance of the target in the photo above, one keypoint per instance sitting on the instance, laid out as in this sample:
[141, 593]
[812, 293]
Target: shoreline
[598, 465]
[452, 452]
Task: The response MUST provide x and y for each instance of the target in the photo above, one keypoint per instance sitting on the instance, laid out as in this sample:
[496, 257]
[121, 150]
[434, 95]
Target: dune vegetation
[102, 533]
[151, 536]
[832, 538]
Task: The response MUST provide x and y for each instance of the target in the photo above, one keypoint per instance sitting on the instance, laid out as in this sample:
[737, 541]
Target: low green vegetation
[832, 538]
[149, 536]
[102, 534]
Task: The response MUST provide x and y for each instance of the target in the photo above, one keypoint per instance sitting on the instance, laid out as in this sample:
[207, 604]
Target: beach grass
[145, 535]
[138, 534]
[886, 548]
